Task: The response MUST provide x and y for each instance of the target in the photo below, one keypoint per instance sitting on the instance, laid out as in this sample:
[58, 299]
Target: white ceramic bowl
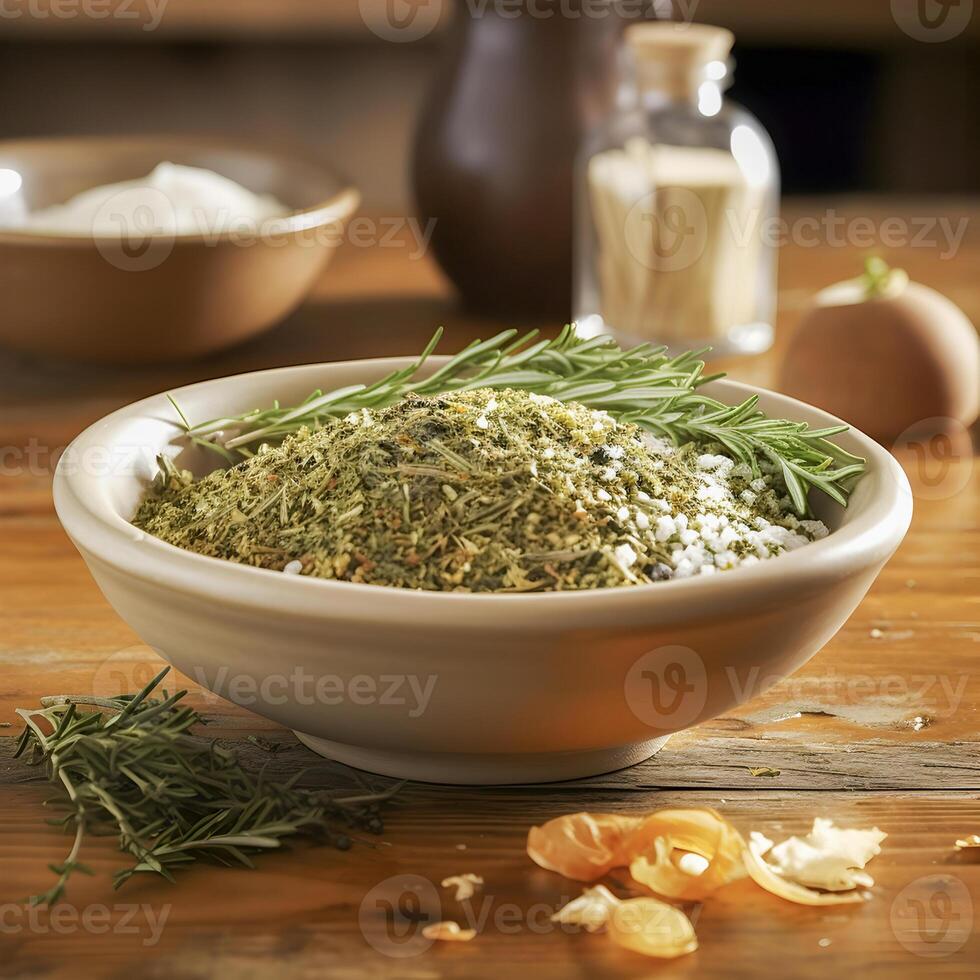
[461, 688]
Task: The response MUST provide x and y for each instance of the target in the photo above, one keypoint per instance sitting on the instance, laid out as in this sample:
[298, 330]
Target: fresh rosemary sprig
[644, 385]
[131, 768]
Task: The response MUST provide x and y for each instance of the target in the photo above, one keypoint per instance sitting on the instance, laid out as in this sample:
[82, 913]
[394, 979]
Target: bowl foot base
[484, 770]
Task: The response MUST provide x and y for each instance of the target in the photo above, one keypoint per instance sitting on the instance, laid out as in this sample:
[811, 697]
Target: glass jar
[677, 195]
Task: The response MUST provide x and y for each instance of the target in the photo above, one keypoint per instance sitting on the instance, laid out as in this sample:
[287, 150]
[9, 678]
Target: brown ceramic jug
[521, 84]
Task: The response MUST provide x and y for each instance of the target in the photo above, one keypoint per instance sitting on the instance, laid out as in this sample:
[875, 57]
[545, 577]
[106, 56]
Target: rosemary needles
[661, 394]
[129, 766]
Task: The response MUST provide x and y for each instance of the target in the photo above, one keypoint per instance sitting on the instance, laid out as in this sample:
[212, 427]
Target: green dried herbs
[130, 767]
[481, 490]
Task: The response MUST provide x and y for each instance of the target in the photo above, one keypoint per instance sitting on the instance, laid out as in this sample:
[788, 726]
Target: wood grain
[881, 727]
[324, 913]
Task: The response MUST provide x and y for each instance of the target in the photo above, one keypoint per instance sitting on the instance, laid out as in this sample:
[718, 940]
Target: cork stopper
[673, 57]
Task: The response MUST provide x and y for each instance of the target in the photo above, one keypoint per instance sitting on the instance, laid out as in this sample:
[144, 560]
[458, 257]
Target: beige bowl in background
[463, 688]
[168, 297]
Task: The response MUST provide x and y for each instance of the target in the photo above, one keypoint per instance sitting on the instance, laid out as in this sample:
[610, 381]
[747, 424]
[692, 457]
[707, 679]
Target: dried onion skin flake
[684, 835]
[465, 884]
[591, 910]
[828, 857]
[583, 846]
[643, 925]
[651, 927]
[451, 932]
[765, 877]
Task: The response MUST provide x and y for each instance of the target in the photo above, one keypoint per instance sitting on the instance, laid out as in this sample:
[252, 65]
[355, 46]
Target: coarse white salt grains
[816, 529]
[625, 555]
[293, 568]
[724, 533]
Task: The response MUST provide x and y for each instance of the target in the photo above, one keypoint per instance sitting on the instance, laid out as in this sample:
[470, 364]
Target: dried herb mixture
[484, 491]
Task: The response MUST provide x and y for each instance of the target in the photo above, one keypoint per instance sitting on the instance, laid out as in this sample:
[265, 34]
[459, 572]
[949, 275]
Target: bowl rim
[338, 207]
[104, 536]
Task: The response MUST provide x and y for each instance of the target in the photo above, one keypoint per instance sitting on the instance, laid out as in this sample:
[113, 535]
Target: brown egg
[885, 354]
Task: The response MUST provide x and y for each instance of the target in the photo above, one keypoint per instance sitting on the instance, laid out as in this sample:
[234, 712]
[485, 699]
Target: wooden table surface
[880, 728]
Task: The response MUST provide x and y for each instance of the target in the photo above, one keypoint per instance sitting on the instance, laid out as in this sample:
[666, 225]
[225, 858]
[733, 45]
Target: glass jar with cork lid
[677, 195]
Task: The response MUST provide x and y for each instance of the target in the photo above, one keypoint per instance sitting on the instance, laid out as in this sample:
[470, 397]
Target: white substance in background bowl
[172, 200]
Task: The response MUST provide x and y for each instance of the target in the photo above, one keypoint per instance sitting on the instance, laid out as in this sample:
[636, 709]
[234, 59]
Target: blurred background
[853, 99]
[464, 161]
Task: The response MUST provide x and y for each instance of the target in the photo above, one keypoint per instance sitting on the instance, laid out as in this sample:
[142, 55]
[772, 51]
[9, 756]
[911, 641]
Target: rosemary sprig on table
[661, 394]
[131, 768]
